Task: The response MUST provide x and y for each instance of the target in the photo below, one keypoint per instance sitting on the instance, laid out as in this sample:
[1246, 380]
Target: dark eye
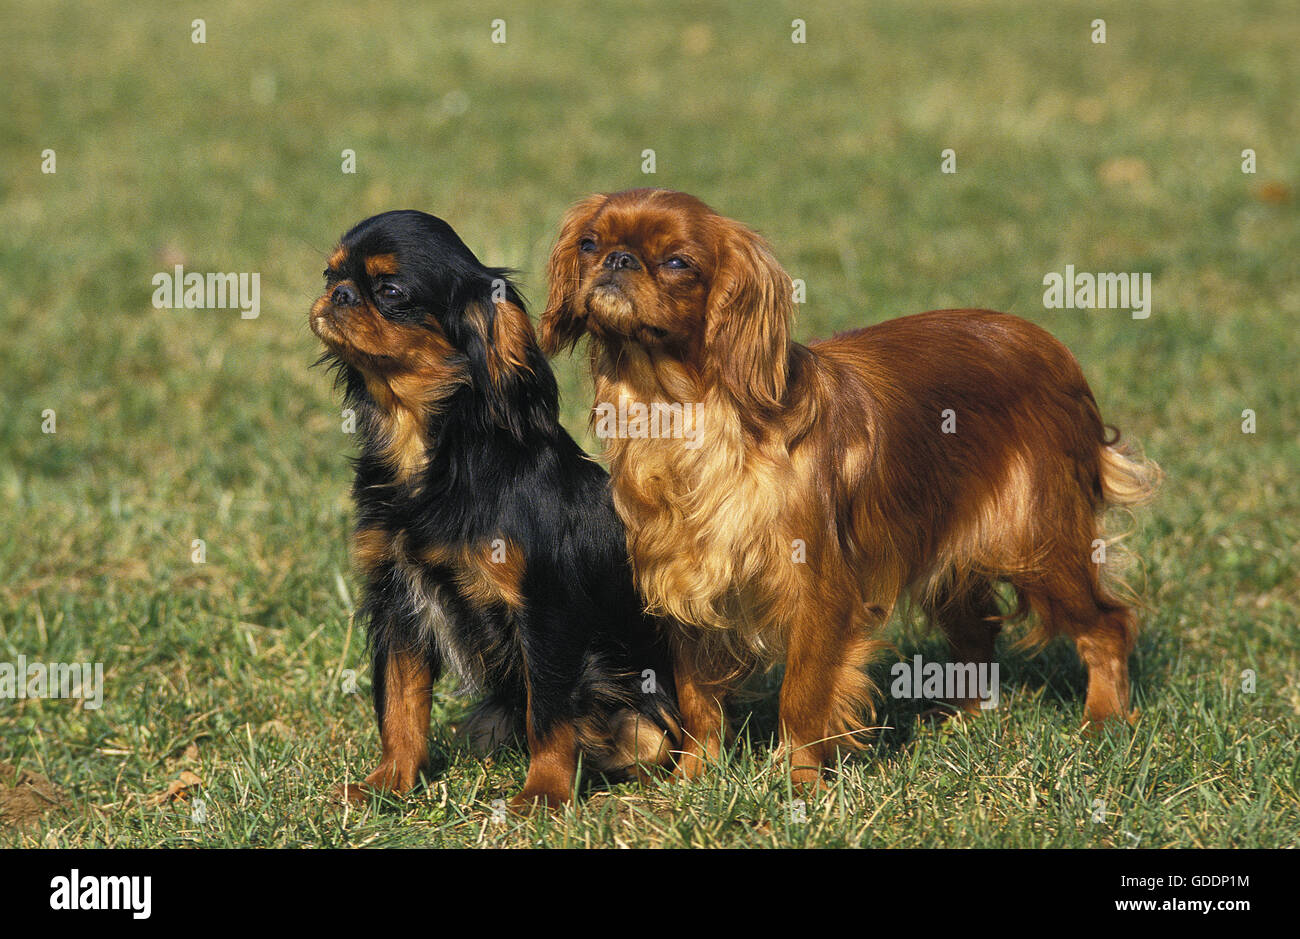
[392, 292]
[587, 245]
[676, 263]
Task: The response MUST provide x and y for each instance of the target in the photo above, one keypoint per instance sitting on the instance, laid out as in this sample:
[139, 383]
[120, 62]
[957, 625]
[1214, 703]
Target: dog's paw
[353, 793]
[528, 802]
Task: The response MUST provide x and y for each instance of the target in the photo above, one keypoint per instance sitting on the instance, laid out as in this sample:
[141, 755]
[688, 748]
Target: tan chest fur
[710, 526]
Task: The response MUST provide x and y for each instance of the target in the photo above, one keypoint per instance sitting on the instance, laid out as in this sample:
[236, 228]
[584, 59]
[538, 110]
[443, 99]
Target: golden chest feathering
[709, 525]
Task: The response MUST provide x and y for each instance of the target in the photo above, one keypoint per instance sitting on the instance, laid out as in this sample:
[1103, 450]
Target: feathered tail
[1127, 477]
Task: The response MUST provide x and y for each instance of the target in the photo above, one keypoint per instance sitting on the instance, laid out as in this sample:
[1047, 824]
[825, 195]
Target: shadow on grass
[1054, 675]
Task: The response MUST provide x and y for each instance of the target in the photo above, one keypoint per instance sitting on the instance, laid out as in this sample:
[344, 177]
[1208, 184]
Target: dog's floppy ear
[503, 337]
[561, 326]
[747, 329]
[505, 366]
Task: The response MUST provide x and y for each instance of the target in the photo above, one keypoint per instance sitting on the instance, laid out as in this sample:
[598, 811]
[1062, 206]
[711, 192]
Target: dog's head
[410, 310]
[662, 270]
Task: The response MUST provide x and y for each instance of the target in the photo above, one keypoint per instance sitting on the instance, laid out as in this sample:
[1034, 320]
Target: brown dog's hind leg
[1104, 645]
[1070, 600]
[971, 619]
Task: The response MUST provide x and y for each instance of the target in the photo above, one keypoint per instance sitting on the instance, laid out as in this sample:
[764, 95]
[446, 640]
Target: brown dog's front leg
[823, 688]
[701, 703]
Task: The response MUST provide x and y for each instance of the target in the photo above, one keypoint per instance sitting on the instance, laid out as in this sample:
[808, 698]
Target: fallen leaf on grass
[178, 788]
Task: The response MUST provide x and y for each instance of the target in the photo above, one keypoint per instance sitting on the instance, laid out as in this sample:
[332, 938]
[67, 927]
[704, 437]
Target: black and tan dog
[487, 539]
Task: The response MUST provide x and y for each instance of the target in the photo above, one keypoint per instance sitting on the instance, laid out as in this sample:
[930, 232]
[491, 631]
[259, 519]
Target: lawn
[236, 692]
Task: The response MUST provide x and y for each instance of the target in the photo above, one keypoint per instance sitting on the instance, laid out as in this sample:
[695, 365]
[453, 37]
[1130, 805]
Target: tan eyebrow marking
[378, 264]
[338, 257]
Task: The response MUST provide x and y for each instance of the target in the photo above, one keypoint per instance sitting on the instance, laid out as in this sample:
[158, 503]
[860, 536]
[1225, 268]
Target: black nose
[621, 261]
[344, 295]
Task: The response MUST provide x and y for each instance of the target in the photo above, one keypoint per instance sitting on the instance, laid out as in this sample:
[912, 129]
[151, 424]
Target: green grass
[177, 425]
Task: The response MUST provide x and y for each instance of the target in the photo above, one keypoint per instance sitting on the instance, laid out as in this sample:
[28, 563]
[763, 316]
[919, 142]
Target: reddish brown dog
[936, 454]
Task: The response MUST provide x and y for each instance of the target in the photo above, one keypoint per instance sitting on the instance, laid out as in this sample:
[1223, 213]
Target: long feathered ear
[560, 326]
[505, 366]
[747, 332]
